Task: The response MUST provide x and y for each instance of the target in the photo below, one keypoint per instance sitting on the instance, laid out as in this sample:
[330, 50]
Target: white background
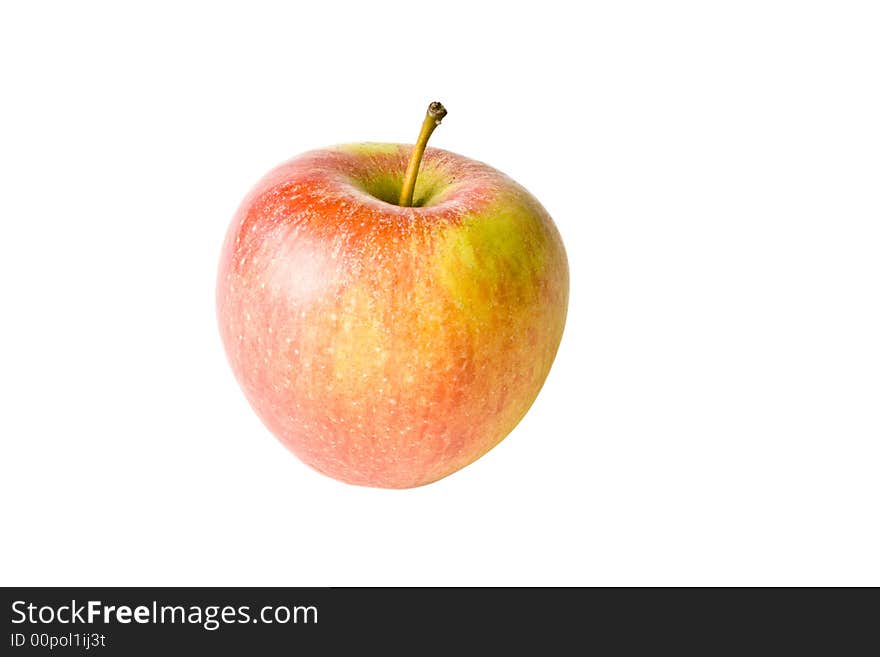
[713, 415]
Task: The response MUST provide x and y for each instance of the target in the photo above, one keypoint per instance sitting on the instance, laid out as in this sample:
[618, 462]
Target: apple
[391, 311]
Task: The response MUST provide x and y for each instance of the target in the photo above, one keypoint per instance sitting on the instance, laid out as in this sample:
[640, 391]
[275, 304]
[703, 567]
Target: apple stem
[434, 115]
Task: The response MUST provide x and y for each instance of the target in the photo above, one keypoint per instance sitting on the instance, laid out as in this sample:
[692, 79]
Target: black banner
[150, 621]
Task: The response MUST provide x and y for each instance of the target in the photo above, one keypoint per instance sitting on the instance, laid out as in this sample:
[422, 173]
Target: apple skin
[390, 346]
